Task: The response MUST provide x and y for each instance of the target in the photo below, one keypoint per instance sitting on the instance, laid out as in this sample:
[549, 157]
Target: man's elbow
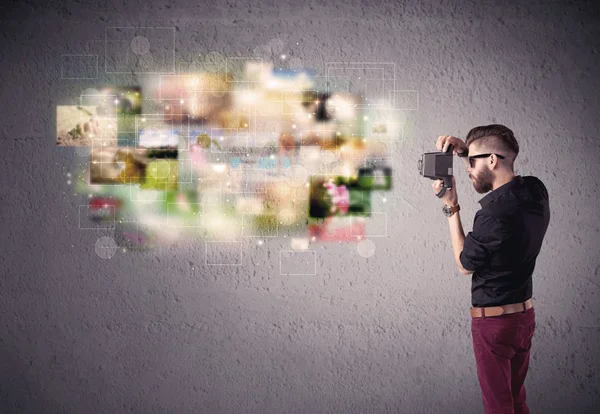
[461, 269]
[465, 271]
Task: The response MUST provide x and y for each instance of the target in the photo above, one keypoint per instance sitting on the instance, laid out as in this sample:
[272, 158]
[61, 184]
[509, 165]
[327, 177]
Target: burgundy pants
[501, 345]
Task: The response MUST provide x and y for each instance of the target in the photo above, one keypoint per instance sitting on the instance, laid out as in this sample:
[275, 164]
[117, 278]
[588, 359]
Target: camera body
[438, 166]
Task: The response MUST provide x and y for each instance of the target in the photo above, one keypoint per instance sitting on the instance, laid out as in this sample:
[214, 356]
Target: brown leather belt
[501, 310]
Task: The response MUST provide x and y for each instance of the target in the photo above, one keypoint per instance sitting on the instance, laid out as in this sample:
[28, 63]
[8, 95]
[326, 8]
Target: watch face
[446, 210]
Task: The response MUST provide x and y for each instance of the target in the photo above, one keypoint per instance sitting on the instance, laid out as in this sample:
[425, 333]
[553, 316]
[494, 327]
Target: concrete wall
[160, 332]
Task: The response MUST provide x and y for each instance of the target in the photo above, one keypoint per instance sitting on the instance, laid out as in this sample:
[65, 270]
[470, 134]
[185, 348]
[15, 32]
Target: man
[500, 253]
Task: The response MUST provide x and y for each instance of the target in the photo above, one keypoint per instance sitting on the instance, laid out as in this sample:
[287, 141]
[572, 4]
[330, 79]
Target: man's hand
[442, 143]
[445, 140]
[450, 197]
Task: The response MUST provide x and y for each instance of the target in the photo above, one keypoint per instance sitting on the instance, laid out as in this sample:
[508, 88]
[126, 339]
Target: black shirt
[506, 239]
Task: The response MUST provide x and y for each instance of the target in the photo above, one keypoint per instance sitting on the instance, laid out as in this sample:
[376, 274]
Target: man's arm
[456, 230]
[458, 241]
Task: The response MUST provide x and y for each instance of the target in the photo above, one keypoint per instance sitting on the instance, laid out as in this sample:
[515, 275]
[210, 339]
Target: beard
[484, 181]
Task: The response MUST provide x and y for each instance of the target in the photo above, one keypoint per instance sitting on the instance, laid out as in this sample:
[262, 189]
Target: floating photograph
[82, 127]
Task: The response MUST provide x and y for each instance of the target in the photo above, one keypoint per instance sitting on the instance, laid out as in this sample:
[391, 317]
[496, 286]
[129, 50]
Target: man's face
[480, 173]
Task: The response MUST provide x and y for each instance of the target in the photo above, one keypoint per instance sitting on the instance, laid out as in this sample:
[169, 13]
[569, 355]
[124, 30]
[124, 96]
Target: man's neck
[500, 181]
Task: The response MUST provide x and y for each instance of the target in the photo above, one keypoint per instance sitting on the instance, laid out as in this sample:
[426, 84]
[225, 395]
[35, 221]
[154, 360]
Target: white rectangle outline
[163, 192]
[393, 100]
[114, 210]
[360, 68]
[358, 64]
[378, 137]
[62, 71]
[297, 274]
[366, 235]
[388, 161]
[180, 227]
[139, 28]
[222, 264]
[331, 89]
[248, 214]
[361, 105]
[349, 65]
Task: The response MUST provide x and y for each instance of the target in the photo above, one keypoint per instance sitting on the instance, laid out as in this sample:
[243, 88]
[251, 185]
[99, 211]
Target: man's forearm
[458, 237]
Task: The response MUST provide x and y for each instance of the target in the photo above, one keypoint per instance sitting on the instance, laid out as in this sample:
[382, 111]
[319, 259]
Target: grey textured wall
[159, 332]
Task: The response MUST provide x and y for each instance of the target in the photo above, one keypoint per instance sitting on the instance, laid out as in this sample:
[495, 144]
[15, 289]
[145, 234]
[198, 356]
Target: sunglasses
[472, 157]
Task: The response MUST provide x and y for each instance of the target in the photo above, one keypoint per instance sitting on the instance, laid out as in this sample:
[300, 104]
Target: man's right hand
[445, 140]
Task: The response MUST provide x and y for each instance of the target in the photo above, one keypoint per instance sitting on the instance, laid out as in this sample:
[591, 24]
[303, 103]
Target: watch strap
[450, 210]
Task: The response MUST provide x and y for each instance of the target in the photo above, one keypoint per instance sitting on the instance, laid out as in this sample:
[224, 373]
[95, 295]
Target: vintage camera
[438, 166]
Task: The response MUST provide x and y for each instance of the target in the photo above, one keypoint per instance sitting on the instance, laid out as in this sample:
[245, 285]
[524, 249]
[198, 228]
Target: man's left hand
[450, 197]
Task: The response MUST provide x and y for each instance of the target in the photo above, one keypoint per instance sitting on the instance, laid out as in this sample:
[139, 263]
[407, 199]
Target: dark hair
[495, 138]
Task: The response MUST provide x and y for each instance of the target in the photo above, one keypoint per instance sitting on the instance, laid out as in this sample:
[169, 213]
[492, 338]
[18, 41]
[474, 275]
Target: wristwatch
[448, 211]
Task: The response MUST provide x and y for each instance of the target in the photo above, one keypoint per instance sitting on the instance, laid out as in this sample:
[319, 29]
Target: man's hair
[496, 139]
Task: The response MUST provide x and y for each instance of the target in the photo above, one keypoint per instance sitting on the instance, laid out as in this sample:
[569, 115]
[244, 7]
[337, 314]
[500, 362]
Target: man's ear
[493, 161]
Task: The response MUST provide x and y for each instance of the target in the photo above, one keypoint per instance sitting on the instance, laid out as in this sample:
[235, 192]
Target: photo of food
[81, 126]
[161, 173]
[117, 165]
[338, 196]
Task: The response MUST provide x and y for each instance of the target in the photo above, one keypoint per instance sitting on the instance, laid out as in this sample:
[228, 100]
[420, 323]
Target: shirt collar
[503, 189]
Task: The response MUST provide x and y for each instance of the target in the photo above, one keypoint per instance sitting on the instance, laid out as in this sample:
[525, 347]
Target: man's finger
[444, 139]
[448, 142]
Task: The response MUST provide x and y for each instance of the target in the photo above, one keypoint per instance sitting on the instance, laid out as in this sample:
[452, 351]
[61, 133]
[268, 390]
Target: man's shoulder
[532, 179]
[536, 187]
[497, 211]
[487, 214]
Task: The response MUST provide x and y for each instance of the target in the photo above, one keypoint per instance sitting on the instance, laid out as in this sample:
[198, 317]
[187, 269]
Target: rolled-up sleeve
[485, 239]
